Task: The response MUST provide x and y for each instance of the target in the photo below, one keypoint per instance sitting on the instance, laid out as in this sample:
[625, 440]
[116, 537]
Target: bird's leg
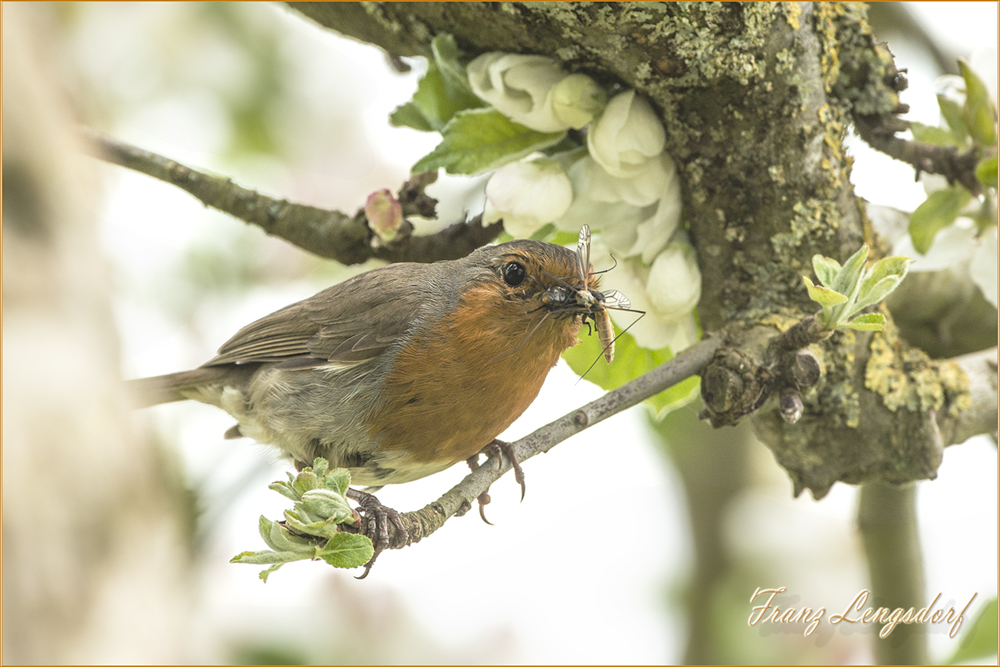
[484, 498]
[377, 518]
[499, 447]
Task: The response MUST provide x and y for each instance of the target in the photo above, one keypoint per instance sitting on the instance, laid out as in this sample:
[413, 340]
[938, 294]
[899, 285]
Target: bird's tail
[178, 386]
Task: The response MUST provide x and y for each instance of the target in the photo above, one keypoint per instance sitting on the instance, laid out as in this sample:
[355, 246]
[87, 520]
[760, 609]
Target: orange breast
[453, 390]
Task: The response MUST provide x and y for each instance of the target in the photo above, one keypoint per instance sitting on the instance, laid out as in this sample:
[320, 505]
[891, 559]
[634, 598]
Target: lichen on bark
[907, 379]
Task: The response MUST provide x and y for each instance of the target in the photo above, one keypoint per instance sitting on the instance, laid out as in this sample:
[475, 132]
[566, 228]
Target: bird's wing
[344, 324]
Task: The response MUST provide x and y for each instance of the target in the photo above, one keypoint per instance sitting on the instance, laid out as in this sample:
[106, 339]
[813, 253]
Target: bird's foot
[376, 519]
[497, 448]
[484, 498]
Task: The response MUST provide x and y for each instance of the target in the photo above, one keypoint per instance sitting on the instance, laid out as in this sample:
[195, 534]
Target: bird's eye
[514, 273]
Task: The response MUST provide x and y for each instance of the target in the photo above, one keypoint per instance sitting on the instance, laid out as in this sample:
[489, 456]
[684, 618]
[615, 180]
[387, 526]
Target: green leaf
[826, 269]
[337, 480]
[937, 212]
[286, 489]
[822, 295]
[265, 573]
[347, 550]
[477, 140]
[410, 114]
[847, 283]
[320, 466]
[954, 116]
[980, 114]
[543, 232]
[980, 640]
[876, 293]
[986, 172]
[302, 521]
[631, 361]
[675, 397]
[880, 280]
[327, 505]
[869, 322]
[442, 92]
[848, 279]
[446, 55]
[279, 539]
[268, 557]
[305, 481]
[887, 266]
[564, 238]
[436, 102]
[931, 134]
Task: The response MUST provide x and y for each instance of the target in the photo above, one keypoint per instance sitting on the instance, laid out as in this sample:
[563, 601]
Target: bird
[405, 370]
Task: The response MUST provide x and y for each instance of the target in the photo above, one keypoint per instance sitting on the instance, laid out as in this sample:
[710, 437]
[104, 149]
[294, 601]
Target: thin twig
[327, 233]
[423, 522]
[948, 161]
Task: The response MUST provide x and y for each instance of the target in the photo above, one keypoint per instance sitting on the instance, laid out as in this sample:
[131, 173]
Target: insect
[595, 303]
[610, 299]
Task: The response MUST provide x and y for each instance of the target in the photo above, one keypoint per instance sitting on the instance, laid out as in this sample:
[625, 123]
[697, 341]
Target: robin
[405, 370]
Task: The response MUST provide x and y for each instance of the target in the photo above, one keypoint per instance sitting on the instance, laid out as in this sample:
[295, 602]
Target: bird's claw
[484, 500]
[499, 448]
[376, 518]
[507, 450]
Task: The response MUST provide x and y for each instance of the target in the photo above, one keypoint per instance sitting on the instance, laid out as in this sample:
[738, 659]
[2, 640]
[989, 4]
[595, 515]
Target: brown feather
[477, 372]
[350, 322]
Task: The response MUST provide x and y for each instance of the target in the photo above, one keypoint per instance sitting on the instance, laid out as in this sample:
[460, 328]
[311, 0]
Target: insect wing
[583, 254]
[615, 299]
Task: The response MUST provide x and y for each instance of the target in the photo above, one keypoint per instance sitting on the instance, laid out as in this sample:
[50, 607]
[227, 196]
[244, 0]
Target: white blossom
[654, 232]
[633, 216]
[626, 135]
[535, 91]
[956, 247]
[527, 195]
[646, 186]
[651, 330]
[674, 283]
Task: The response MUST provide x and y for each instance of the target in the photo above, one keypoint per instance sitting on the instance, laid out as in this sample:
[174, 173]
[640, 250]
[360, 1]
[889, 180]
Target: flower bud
[674, 284]
[576, 100]
[626, 135]
[518, 86]
[384, 213]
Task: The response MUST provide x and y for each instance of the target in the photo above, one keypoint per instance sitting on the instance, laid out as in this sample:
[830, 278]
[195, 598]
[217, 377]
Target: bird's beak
[581, 300]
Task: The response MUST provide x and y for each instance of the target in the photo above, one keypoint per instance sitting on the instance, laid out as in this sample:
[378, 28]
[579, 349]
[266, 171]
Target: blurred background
[636, 542]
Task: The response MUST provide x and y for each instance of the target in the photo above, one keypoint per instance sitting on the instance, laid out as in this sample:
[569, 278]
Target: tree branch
[980, 414]
[880, 133]
[330, 234]
[909, 407]
[888, 524]
[423, 522]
